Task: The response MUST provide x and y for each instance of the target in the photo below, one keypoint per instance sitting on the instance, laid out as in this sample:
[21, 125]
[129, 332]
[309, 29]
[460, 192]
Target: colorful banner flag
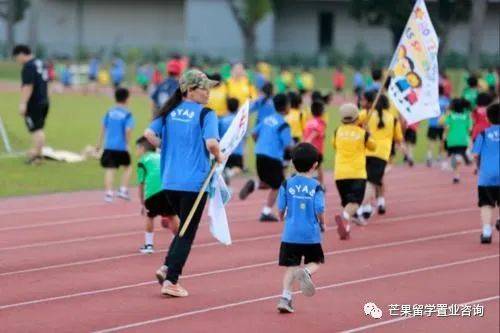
[414, 87]
[219, 193]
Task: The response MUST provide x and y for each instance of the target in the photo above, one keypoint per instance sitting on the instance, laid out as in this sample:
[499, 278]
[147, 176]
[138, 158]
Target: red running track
[69, 263]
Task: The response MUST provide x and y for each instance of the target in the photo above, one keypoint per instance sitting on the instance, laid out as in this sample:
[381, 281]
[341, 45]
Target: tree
[248, 13]
[12, 11]
[477, 19]
[395, 13]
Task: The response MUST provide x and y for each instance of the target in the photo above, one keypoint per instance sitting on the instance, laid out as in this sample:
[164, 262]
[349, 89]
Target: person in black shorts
[273, 137]
[34, 104]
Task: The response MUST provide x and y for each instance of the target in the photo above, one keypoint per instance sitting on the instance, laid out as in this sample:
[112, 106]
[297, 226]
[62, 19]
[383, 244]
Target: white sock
[367, 208]
[287, 294]
[429, 155]
[346, 215]
[123, 189]
[360, 211]
[109, 193]
[381, 201]
[267, 210]
[487, 230]
[148, 238]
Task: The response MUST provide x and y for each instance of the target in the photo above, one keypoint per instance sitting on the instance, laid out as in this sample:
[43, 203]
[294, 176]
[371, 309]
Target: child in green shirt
[153, 200]
[458, 125]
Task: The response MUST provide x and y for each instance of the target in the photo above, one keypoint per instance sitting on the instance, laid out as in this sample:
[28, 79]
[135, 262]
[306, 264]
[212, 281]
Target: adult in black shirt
[34, 104]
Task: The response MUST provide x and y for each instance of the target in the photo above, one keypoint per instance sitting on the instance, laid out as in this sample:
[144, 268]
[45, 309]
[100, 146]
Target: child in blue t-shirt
[117, 125]
[301, 203]
[487, 152]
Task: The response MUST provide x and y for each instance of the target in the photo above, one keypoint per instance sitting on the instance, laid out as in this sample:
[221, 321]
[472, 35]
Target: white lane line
[392, 321]
[100, 203]
[261, 299]
[393, 219]
[238, 268]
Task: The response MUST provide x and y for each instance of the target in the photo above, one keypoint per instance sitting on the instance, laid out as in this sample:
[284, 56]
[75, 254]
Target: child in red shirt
[479, 117]
[314, 133]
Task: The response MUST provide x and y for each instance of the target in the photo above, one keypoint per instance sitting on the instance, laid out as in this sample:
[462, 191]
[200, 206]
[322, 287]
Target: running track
[69, 263]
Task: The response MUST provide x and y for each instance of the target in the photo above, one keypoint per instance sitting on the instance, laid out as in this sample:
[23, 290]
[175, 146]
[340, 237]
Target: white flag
[414, 66]
[219, 193]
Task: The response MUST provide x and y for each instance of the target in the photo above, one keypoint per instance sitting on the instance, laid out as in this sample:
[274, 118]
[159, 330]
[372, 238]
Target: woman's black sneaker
[485, 239]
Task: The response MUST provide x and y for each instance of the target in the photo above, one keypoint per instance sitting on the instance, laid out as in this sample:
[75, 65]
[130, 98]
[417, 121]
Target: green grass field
[73, 123]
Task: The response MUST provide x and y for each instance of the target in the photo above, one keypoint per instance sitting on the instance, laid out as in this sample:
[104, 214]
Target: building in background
[207, 27]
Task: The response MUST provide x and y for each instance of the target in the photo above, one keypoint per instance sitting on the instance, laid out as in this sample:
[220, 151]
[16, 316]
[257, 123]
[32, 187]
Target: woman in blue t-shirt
[187, 133]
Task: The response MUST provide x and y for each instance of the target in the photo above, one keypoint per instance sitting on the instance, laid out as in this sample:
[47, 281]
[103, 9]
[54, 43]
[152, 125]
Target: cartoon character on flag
[414, 68]
[219, 194]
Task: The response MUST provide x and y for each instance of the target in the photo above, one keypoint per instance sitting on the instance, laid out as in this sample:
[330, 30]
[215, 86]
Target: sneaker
[497, 225]
[35, 160]
[381, 210]
[411, 163]
[285, 306]
[161, 274]
[342, 227]
[359, 220]
[174, 290]
[305, 281]
[147, 249]
[108, 197]
[428, 162]
[268, 218]
[485, 239]
[456, 180]
[123, 195]
[247, 189]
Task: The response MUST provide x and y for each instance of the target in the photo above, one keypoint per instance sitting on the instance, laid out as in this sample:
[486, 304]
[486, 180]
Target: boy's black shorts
[488, 196]
[291, 254]
[351, 190]
[457, 150]
[411, 136]
[270, 171]
[435, 133]
[234, 161]
[113, 159]
[375, 169]
[35, 117]
[158, 205]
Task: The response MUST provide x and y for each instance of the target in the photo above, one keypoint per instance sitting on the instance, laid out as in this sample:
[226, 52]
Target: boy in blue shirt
[301, 202]
[435, 131]
[117, 125]
[234, 164]
[273, 137]
[487, 152]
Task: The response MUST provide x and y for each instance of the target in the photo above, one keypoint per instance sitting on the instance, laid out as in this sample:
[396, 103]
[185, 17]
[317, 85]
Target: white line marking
[335, 285]
[388, 322]
[238, 268]
[393, 219]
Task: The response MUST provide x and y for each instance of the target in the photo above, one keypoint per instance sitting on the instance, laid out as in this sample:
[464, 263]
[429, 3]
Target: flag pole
[5, 137]
[198, 199]
[377, 97]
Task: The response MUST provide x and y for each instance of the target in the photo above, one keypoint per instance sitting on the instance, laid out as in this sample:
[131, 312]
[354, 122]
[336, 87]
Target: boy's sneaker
[285, 306]
[247, 189]
[428, 162]
[456, 180]
[342, 227]
[381, 210]
[485, 239]
[108, 197]
[305, 281]
[268, 218]
[174, 290]
[497, 225]
[161, 274]
[123, 194]
[147, 249]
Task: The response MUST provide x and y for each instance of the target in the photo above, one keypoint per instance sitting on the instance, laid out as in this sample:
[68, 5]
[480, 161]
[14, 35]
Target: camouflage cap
[195, 78]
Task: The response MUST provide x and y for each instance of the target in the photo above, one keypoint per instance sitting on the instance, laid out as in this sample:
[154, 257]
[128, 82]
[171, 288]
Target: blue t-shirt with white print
[263, 106]
[273, 136]
[184, 157]
[116, 122]
[302, 199]
[224, 124]
[487, 146]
